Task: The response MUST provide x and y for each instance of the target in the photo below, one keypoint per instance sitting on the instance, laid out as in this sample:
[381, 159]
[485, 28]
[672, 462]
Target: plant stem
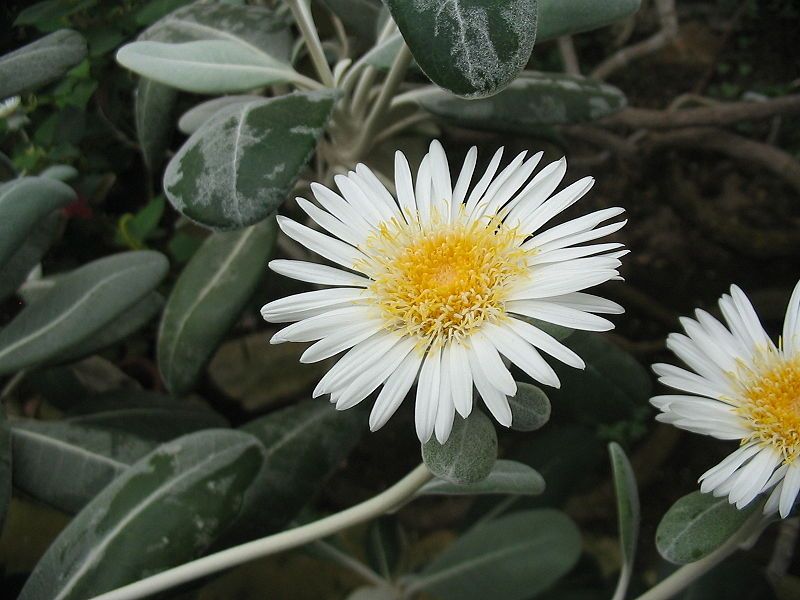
[687, 574]
[302, 15]
[273, 544]
[393, 80]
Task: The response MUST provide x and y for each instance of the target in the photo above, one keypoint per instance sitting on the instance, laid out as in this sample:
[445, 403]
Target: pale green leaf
[193, 118]
[628, 511]
[469, 453]
[506, 477]
[29, 254]
[530, 408]
[566, 17]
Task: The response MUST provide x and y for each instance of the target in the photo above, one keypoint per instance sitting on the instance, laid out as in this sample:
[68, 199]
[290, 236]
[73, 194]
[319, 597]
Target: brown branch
[722, 114]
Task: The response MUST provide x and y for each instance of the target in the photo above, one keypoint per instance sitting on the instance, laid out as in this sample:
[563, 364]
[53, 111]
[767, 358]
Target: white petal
[752, 477]
[588, 303]
[720, 473]
[326, 246]
[404, 185]
[681, 379]
[316, 273]
[574, 227]
[547, 343]
[360, 356]
[378, 190]
[567, 254]
[457, 362]
[422, 190]
[483, 182]
[372, 377]
[522, 353]
[499, 200]
[330, 223]
[559, 286]
[556, 205]
[482, 207]
[751, 321]
[394, 391]
[309, 304]
[791, 324]
[536, 192]
[495, 400]
[346, 337]
[427, 402]
[356, 198]
[492, 364]
[442, 186]
[341, 209]
[446, 410]
[319, 326]
[791, 487]
[544, 310]
[463, 181]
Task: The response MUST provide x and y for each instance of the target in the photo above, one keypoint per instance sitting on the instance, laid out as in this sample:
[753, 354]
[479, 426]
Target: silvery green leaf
[60, 172]
[469, 453]
[165, 510]
[208, 298]
[193, 118]
[40, 62]
[24, 202]
[532, 101]
[78, 306]
[29, 254]
[153, 104]
[514, 557]
[359, 17]
[204, 67]
[530, 408]
[238, 168]
[506, 477]
[472, 48]
[565, 17]
[628, 513]
[698, 524]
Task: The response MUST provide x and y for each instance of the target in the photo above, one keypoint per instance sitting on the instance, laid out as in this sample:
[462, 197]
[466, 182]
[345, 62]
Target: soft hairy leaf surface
[16, 269]
[565, 17]
[506, 477]
[698, 524]
[628, 510]
[193, 118]
[238, 168]
[530, 408]
[170, 507]
[208, 298]
[472, 48]
[153, 104]
[305, 444]
[40, 62]
[78, 306]
[469, 453]
[532, 101]
[510, 558]
[24, 203]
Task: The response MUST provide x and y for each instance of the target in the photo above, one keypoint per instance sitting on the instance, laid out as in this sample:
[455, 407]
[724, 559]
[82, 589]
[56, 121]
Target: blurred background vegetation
[708, 205]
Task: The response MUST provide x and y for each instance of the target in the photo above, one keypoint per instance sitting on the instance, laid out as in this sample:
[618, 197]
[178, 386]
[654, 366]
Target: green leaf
[5, 467]
[153, 104]
[530, 408]
[79, 305]
[208, 298]
[134, 230]
[511, 558]
[532, 101]
[129, 322]
[40, 62]
[306, 443]
[205, 66]
[698, 524]
[60, 172]
[98, 442]
[24, 203]
[469, 453]
[165, 510]
[612, 387]
[472, 48]
[565, 17]
[506, 477]
[240, 165]
[628, 512]
[360, 17]
[193, 118]
[29, 254]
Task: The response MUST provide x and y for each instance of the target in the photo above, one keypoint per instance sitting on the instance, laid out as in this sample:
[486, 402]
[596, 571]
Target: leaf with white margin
[239, 167]
[472, 48]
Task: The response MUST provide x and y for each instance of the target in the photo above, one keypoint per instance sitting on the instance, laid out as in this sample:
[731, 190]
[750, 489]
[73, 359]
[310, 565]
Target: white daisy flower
[437, 284]
[741, 387]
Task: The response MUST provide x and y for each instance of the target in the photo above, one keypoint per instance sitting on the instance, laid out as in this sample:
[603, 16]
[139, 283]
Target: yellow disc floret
[443, 280]
[771, 404]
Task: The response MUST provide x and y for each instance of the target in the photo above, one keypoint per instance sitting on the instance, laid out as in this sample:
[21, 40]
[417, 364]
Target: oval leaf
[193, 118]
[510, 558]
[240, 165]
[530, 102]
[628, 512]
[205, 66]
[530, 408]
[469, 453]
[29, 254]
[170, 507]
[698, 524]
[208, 298]
[507, 477]
[472, 48]
[79, 305]
[41, 62]
[565, 17]
[24, 203]
[305, 444]
[153, 104]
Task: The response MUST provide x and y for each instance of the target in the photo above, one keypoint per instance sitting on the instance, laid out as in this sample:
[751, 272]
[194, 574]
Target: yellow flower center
[442, 281]
[772, 405]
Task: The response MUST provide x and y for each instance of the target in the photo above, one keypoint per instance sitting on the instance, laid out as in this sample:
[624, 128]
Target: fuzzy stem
[285, 540]
[302, 15]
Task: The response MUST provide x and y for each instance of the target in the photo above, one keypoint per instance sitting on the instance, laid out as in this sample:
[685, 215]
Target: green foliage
[469, 453]
[698, 524]
[5, 467]
[472, 49]
[628, 510]
[207, 474]
[506, 477]
[530, 408]
[208, 298]
[567, 17]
